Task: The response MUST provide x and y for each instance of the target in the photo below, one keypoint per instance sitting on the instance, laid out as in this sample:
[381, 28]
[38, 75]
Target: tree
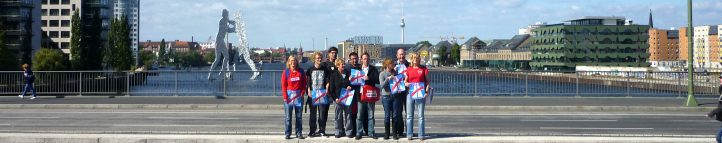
[209, 57]
[8, 62]
[119, 43]
[77, 45]
[442, 55]
[147, 58]
[161, 51]
[455, 57]
[50, 60]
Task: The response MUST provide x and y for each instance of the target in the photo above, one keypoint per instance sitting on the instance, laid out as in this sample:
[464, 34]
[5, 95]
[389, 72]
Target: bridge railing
[445, 83]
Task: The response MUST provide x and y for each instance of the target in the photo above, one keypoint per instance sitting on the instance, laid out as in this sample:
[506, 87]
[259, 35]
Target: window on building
[54, 34]
[65, 23]
[54, 12]
[44, 12]
[66, 2]
[54, 1]
[64, 45]
[44, 23]
[45, 2]
[65, 34]
[54, 23]
[65, 12]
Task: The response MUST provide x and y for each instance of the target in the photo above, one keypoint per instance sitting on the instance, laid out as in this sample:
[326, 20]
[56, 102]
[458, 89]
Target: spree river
[446, 83]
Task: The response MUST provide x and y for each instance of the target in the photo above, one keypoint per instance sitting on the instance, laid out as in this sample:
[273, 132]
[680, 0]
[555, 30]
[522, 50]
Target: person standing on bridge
[400, 68]
[337, 82]
[317, 75]
[392, 112]
[293, 87]
[29, 81]
[369, 96]
[351, 119]
[330, 67]
[417, 79]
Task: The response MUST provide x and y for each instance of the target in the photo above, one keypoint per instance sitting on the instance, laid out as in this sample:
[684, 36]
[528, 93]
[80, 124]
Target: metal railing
[445, 83]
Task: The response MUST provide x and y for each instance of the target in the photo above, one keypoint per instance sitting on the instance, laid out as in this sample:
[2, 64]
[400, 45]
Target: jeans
[365, 110]
[719, 135]
[392, 114]
[291, 109]
[412, 104]
[29, 86]
[319, 114]
[343, 120]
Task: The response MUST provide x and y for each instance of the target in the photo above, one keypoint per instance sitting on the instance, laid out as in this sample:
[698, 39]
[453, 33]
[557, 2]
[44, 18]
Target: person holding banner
[337, 82]
[369, 96]
[392, 112]
[417, 79]
[293, 86]
[400, 68]
[353, 70]
[318, 99]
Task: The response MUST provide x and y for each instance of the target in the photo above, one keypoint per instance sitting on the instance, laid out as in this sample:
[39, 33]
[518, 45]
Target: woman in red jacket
[293, 87]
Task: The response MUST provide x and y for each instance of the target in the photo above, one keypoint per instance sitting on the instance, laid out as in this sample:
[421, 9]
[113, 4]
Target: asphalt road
[439, 124]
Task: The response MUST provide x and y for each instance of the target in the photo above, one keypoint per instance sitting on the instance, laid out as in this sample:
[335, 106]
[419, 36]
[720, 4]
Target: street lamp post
[691, 100]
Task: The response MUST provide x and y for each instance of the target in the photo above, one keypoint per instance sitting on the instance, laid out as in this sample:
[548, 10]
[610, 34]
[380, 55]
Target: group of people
[354, 87]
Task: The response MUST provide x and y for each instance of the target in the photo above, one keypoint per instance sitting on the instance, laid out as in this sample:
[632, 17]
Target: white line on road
[574, 128]
[29, 117]
[193, 118]
[568, 120]
[159, 125]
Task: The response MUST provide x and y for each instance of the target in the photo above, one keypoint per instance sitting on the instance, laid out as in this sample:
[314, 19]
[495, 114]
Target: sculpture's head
[225, 13]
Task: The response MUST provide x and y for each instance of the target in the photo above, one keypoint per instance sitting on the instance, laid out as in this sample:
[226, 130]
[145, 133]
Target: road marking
[193, 118]
[574, 128]
[568, 120]
[29, 117]
[136, 125]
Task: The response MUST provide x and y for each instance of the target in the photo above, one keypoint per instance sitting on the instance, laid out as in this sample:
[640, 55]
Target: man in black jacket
[365, 121]
[353, 64]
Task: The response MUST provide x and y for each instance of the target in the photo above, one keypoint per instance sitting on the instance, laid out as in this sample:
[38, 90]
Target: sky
[274, 23]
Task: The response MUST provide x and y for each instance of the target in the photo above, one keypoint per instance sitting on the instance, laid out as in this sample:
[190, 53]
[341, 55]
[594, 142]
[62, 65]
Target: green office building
[590, 41]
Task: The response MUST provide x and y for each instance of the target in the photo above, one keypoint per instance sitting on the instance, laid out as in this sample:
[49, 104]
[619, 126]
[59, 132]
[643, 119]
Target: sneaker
[32, 97]
[288, 137]
[21, 96]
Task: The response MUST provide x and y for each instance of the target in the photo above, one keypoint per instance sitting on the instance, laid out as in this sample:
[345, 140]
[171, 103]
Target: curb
[125, 138]
[430, 108]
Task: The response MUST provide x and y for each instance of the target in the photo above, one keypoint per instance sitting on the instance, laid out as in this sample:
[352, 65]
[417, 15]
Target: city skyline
[275, 23]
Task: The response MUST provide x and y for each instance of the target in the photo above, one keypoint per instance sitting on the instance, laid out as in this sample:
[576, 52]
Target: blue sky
[272, 23]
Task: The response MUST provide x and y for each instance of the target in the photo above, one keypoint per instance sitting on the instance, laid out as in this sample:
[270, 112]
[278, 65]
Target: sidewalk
[135, 138]
[641, 104]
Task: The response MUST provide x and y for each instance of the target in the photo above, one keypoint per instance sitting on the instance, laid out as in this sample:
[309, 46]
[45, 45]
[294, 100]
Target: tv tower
[403, 24]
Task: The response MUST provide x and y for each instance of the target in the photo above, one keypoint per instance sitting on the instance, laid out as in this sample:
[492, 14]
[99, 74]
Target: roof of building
[599, 17]
[472, 41]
